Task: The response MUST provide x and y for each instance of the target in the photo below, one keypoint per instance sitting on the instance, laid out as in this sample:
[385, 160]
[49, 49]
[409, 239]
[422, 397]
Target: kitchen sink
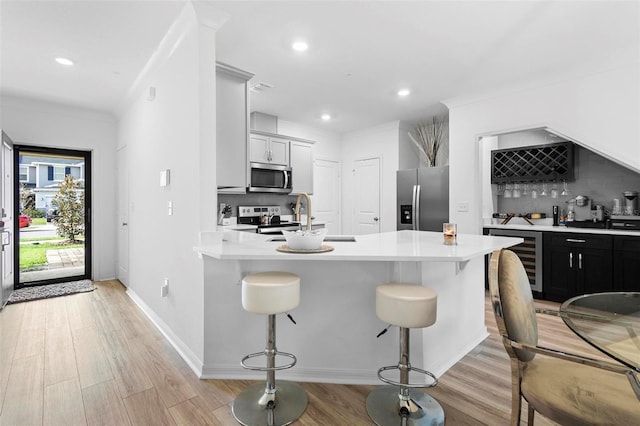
[328, 238]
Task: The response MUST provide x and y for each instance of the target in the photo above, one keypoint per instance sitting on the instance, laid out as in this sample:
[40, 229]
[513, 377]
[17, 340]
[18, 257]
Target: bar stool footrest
[264, 353]
[407, 385]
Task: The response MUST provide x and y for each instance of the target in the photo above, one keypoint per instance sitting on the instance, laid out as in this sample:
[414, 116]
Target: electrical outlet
[170, 208]
[164, 290]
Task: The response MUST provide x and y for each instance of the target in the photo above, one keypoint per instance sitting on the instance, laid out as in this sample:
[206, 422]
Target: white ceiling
[360, 52]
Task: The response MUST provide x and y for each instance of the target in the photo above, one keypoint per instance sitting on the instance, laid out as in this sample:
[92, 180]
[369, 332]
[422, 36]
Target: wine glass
[565, 191]
[534, 191]
[544, 192]
[554, 191]
[507, 191]
[516, 190]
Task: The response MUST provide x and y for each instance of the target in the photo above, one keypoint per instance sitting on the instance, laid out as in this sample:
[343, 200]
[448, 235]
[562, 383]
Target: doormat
[26, 294]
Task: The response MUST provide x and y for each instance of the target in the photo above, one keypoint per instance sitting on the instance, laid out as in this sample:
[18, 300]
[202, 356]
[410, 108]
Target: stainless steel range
[266, 218]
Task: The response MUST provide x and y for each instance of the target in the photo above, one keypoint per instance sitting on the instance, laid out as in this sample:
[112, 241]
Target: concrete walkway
[65, 258]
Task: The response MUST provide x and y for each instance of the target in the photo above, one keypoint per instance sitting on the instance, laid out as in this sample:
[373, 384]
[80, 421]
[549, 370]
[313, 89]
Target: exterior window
[58, 173]
[24, 174]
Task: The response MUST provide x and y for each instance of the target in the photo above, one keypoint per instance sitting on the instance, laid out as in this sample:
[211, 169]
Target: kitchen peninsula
[335, 335]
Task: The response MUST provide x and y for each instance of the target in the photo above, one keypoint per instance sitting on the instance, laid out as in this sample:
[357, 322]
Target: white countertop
[389, 246]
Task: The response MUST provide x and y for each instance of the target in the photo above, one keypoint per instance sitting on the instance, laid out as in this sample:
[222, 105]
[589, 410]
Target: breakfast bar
[335, 335]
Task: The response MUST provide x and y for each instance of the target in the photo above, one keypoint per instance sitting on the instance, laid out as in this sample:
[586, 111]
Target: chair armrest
[591, 362]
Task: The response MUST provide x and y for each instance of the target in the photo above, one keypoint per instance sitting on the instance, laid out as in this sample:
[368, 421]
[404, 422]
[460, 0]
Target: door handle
[376, 219]
[416, 217]
[579, 260]
[125, 224]
[570, 260]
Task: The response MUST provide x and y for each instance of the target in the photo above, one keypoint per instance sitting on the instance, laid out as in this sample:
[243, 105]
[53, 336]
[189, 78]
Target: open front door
[52, 205]
[6, 205]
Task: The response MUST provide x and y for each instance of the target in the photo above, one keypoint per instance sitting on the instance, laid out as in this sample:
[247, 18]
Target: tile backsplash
[259, 199]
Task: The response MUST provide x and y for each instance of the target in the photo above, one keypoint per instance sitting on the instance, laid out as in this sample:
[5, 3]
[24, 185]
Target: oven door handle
[286, 179]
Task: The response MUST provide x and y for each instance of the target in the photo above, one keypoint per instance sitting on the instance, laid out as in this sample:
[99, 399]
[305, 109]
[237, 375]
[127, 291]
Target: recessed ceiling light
[325, 117]
[300, 46]
[403, 92]
[64, 61]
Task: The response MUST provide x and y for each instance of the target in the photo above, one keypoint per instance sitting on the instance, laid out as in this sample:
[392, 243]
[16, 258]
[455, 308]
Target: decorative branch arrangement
[428, 139]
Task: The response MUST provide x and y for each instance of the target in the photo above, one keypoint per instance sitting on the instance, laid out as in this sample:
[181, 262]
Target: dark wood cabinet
[626, 263]
[576, 263]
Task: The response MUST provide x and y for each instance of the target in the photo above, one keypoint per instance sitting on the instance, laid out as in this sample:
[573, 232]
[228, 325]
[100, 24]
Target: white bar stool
[406, 306]
[271, 404]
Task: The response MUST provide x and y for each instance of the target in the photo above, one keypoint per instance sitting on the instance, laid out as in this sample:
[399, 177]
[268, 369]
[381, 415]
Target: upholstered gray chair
[566, 388]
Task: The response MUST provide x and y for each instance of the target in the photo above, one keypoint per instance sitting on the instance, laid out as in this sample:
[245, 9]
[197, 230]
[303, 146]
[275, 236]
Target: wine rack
[551, 162]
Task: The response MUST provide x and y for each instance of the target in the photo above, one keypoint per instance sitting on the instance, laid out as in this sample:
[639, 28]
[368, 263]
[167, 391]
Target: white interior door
[326, 194]
[123, 216]
[6, 201]
[367, 196]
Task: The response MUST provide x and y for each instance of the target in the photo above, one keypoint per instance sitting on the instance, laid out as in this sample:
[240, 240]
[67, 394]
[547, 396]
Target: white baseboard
[441, 369]
[183, 350]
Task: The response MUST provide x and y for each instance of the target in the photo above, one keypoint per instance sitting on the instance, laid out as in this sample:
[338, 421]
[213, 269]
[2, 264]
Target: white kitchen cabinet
[232, 128]
[268, 149]
[301, 160]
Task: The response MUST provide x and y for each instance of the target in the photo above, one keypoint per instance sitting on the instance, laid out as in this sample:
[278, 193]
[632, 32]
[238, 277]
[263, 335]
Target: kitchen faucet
[296, 212]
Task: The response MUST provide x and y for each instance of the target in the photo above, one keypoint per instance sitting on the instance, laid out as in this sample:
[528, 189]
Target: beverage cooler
[529, 252]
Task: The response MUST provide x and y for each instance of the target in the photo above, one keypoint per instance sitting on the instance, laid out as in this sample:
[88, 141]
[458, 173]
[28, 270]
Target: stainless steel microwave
[270, 178]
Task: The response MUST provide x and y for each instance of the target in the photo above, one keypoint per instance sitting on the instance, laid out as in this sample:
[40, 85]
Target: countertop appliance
[266, 219]
[630, 203]
[270, 178]
[625, 223]
[423, 198]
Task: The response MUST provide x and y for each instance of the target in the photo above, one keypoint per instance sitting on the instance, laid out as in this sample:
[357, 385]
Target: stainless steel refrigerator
[423, 198]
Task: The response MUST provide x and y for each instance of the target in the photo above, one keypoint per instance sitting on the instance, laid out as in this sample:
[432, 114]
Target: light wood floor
[94, 358]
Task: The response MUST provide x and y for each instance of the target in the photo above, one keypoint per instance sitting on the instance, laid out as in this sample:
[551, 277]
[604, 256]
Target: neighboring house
[44, 174]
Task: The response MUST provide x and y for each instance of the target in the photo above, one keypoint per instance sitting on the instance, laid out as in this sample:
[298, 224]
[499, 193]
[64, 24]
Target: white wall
[379, 141]
[174, 131]
[601, 111]
[38, 123]
[327, 143]
[408, 153]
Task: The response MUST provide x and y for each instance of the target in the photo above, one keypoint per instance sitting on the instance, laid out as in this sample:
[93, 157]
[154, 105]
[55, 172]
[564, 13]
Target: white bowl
[305, 240]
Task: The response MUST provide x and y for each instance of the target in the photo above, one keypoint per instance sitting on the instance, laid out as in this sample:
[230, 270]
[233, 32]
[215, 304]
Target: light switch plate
[165, 177]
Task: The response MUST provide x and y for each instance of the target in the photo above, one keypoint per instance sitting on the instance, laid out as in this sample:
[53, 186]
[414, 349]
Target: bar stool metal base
[384, 403]
[290, 402]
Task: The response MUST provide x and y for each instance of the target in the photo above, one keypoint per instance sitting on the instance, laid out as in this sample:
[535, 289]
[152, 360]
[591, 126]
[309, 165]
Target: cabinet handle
[579, 260]
[573, 240]
[570, 260]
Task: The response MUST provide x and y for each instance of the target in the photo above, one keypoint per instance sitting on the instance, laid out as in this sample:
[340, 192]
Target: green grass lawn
[38, 221]
[32, 255]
